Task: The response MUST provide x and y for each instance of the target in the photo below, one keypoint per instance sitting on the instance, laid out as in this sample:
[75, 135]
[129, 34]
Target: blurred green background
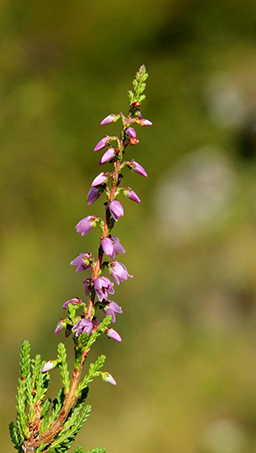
[186, 369]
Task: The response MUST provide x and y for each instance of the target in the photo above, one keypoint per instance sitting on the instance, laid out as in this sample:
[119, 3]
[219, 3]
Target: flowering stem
[60, 426]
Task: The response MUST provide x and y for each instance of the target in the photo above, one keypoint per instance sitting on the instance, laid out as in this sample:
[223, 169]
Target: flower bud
[75, 302]
[136, 104]
[111, 333]
[108, 246]
[138, 168]
[60, 326]
[106, 377]
[133, 141]
[50, 365]
[85, 225]
[128, 192]
[108, 155]
[100, 179]
[131, 132]
[110, 119]
[93, 195]
[144, 122]
[116, 209]
[102, 143]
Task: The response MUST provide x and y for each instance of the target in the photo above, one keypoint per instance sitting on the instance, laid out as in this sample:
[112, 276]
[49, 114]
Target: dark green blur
[186, 369]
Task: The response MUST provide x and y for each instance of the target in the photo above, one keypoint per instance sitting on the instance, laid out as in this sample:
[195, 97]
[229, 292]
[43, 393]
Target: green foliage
[139, 86]
[15, 436]
[101, 328]
[95, 450]
[62, 356]
[93, 372]
[72, 426]
[33, 406]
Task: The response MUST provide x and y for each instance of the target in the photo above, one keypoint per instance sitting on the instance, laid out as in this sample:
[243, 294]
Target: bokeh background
[186, 369]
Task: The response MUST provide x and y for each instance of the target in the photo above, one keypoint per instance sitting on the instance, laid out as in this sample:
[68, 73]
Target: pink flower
[103, 287]
[85, 325]
[111, 309]
[119, 272]
[111, 246]
[108, 246]
[82, 262]
[116, 209]
[118, 248]
[85, 225]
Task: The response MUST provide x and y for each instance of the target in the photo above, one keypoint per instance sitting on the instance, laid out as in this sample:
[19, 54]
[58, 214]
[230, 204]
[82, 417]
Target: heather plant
[49, 426]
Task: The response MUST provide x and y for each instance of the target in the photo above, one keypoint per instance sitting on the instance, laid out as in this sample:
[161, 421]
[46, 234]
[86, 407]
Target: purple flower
[93, 195]
[60, 326]
[106, 377]
[111, 309]
[103, 287]
[109, 154]
[75, 302]
[100, 179]
[85, 225]
[111, 333]
[85, 325]
[116, 209]
[108, 246]
[128, 192]
[131, 132]
[82, 262]
[111, 246]
[102, 143]
[119, 272]
[144, 122]
[110, 119]
[118, 248]
[138, 168]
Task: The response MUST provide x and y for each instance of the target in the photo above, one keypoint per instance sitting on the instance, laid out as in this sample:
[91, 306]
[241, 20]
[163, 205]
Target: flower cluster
[98, 287]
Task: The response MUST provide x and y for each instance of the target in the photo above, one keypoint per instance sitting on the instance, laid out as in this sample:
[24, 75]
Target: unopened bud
[106, 377]
[133, 141]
